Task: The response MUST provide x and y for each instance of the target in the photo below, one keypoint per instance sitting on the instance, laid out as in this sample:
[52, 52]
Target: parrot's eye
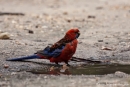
[77, 35]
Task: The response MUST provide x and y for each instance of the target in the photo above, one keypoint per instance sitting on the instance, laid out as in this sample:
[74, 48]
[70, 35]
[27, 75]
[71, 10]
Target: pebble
[62, 29]
[99, 8]
[36, 26]
[106, 43]
[45, 77]
[13, 73]
[30, 31]
[106, 48]
[100, 40]
[44, 27]
[68, 20]
[65, 13]
[6, 66]
[91, 16]
[14, 22]
[123, 43]
[4, 35]
[120, 74]
[20, 43]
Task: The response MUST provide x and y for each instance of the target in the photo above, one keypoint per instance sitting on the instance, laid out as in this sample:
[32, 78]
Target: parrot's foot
[57, 63]
[67, 63]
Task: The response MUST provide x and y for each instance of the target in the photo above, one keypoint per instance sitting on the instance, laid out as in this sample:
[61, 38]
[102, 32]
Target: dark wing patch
[60, 43]
[56, 49]
[49, 53]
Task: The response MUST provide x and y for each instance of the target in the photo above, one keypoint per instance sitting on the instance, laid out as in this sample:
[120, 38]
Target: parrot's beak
[78, 34]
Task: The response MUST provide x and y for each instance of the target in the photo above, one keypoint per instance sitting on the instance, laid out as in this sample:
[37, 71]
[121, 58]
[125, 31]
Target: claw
[67, 63]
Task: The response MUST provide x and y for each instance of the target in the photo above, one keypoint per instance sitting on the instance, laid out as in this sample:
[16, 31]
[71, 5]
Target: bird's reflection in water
[58, 72]
[54, 70]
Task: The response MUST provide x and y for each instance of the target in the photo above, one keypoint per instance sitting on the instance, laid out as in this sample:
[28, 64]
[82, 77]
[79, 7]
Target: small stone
[36, 26]
[62, 29]
[45, 77]
[13, 73]
[106, 48]
[28, 21]
[80, 42]
[65, 13]
[6, 66]
[123, 43]
[4, 36]
[19, 43]
[106, 36]
[26, 44]
[91, 16]
[44, 27]
[30, 31]
[69, 20]
[14, 22]
[120, 74]
[100, 40]
[99, 8]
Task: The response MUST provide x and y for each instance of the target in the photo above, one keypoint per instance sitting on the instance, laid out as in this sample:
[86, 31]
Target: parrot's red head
[72, 34]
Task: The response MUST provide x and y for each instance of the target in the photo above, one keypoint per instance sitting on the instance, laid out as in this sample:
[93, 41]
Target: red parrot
[61, 51]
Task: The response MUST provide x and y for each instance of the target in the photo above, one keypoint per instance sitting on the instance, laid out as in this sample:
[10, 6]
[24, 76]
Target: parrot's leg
[67, 63]
[57, 63]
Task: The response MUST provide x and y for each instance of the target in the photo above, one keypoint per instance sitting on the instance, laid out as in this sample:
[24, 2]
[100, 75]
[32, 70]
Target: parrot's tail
[24, 58]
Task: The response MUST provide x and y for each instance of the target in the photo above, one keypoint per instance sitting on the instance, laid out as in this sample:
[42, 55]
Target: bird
[61, 51]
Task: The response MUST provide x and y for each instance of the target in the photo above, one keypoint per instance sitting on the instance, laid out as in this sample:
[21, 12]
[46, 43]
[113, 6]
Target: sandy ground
[102, 23]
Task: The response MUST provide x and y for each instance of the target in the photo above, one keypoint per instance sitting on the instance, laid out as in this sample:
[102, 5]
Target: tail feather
[24, 58]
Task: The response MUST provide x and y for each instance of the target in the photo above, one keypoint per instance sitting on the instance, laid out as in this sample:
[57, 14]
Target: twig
[85, 60]
[11, 13]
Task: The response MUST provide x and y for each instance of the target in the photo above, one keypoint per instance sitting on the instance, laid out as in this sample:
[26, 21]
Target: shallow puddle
[97, 69]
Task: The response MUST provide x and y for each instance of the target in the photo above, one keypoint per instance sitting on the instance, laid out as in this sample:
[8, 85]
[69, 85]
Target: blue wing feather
[24, 58]
[52, 53]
